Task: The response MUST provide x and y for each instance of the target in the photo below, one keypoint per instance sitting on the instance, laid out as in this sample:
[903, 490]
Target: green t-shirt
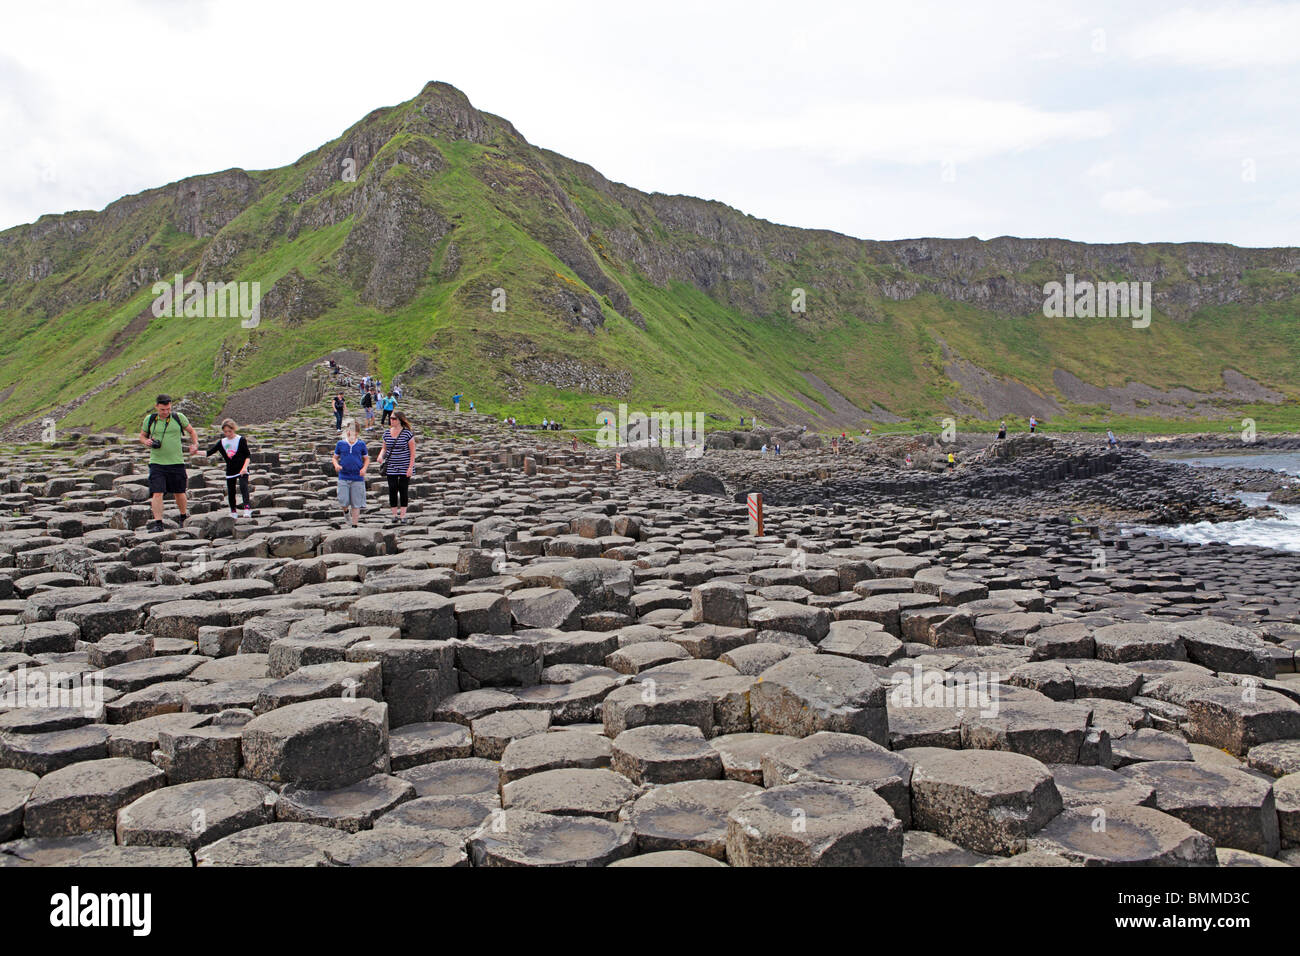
[170, 432]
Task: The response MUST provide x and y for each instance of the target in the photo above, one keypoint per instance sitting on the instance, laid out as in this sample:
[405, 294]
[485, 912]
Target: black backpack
[181, 422]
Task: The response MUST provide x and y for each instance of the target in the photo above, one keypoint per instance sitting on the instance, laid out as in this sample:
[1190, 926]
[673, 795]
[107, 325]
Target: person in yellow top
[952, 461]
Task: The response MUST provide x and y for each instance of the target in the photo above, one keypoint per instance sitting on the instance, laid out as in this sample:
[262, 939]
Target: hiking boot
[153, 527]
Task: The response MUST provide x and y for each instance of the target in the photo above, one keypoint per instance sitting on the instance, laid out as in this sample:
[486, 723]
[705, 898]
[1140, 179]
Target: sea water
[1281, 533]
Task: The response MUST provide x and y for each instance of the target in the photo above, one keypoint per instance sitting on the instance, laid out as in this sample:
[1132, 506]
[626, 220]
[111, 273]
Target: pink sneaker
[248, 512]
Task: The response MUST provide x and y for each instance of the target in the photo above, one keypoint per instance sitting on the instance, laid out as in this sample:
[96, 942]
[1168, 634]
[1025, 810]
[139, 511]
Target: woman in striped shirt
[397, 464]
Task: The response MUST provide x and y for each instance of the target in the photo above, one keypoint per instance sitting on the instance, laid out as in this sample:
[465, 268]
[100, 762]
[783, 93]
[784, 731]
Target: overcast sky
[1096, 121]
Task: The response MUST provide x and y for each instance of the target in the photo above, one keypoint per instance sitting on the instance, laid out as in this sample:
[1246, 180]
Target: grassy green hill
[612, 295]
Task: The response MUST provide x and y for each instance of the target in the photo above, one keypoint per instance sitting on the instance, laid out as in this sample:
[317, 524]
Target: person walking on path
[952, 461]
[161, 432]
[1033, 424]
[351, 459]
[368, 403]
[233, 449]
[340, 407]
[389, 403]
[397, 464]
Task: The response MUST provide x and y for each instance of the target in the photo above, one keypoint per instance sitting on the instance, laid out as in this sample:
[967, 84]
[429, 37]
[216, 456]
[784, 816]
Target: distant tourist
[763, 451]
[233, 450]
[351, 459]
[1111, 440]
[161, 432]
[1002, 431]
[1033, 424]
[835, 446]
[907, 460]
[368, 403]
[952, 461]
[340, 407]
[389, 403]
[397, 464]
[777, 447]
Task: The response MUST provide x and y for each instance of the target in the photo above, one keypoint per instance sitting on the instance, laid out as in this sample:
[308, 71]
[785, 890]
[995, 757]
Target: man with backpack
[161, 432]
[368, 403]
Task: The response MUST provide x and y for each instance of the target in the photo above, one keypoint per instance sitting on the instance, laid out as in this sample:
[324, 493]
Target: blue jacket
[351, 460]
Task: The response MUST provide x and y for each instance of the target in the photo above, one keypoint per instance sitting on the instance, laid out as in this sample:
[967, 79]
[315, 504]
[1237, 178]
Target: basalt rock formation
[558, 662]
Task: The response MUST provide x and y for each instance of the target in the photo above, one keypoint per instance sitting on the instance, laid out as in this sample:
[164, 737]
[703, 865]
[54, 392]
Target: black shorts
[167, 479]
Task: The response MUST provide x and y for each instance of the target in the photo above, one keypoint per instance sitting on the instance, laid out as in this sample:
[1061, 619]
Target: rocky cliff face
[394, 188]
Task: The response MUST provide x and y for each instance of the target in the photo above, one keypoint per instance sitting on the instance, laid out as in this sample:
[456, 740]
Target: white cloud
[1228, 37]
[1133, 202]
[959, 129]
[1102, 169]
[840, 117]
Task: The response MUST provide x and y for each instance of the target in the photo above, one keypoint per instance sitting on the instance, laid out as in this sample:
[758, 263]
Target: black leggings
[243, 489]
[397, 488]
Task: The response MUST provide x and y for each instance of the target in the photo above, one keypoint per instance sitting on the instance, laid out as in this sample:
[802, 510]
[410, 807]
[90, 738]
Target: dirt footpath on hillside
[281, 396]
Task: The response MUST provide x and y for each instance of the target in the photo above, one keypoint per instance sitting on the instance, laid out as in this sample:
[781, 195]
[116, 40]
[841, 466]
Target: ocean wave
[1282, 534]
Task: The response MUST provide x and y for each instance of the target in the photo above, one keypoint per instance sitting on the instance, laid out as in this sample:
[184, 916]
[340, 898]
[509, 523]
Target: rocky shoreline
[1024, 475]
[561, 663]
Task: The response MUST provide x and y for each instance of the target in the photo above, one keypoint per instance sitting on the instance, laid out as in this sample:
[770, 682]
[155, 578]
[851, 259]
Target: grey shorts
[352, 494]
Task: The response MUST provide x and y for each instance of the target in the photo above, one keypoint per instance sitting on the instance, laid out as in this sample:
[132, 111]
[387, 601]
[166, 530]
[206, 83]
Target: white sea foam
[1281, 533]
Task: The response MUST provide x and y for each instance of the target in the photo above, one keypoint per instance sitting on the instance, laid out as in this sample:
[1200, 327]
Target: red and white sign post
[756, 514]
[618, 461]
